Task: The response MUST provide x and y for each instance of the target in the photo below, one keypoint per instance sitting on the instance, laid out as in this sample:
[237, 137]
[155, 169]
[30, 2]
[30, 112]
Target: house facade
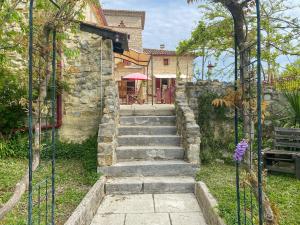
[166, 64]
[130, 22]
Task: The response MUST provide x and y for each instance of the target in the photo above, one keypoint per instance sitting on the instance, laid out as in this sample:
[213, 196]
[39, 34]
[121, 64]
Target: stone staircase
[149, 155]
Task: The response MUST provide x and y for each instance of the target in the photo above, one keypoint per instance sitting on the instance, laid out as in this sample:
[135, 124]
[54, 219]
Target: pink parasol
[136, 76]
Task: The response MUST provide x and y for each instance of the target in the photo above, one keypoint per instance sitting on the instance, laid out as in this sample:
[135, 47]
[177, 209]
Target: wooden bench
[286, 155]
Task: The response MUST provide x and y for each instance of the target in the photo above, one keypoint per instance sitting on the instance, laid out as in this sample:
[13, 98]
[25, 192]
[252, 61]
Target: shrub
[12, 114]
[15, 147]
[293, 99]
[86, 152]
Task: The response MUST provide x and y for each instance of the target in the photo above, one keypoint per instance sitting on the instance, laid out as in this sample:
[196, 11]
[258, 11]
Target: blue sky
[167, 21]
[170, 21]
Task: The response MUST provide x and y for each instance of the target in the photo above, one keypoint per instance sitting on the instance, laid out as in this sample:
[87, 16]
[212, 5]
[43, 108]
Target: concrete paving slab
[194, 218]
[148, 219]
[127, 204]
[176, 203]
[108, 219]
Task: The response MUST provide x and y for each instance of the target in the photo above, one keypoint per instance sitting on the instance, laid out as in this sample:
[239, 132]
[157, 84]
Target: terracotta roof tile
[150, 51]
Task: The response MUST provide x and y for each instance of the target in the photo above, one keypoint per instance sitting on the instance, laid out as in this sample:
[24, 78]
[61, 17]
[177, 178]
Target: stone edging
[88, 207]
[208, 204]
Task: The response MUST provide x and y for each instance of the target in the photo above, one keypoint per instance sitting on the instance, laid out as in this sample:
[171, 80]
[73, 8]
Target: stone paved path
[151, 183]
[149, 209]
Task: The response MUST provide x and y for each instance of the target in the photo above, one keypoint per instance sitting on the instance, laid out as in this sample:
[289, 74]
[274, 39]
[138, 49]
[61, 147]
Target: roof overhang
[120, 40]
[96, 8]
[169, 76]
[135, 57]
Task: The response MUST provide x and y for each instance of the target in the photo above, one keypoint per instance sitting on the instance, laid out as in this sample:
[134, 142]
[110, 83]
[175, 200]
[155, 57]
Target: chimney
[162, 46]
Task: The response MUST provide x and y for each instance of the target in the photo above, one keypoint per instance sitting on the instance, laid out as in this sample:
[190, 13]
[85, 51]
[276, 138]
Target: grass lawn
[11, 171]
[72, 183]
[283, 191]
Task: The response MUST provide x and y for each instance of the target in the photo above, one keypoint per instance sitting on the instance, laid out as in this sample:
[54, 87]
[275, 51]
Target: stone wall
[274, 100]
[276, 108]
[86, 76]
[195, 90]
[187, 127]
[108, 129]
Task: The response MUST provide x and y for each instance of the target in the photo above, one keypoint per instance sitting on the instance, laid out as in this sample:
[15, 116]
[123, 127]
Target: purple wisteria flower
[240, 150]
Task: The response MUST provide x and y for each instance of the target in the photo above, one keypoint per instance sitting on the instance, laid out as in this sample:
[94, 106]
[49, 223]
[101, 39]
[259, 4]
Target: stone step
[148, 120]
[126, 153]
[147, 110]
[147, 130]
[149, 140]
[149, 168]
[150, 185]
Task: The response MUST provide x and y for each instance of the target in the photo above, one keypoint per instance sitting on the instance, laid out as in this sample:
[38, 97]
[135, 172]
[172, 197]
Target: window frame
[166, 62]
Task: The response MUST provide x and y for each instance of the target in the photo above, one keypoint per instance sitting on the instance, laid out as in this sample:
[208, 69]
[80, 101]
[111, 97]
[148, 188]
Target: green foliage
[10, 39]
[290, 77]
[216, 135]
[72, 184]
[213, 37]
[281, 189]
[11, 171]
[12, 114]
[86, 152]
[293, 99]
[292, 70]
[15, 147]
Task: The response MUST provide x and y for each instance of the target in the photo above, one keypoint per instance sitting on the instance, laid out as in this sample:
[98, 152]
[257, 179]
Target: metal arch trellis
[41, 188]
[242, 204]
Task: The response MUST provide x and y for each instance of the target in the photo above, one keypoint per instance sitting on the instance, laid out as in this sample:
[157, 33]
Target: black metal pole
[259, 123]
[236, 132]
[53, 123]
[152, 75]
[30, 114]
[147, 84]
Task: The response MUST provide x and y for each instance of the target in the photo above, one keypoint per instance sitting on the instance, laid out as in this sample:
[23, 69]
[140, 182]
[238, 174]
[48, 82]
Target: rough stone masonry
[87, 75]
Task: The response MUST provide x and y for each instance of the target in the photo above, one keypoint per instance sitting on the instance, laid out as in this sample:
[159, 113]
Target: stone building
[165, 66]
[130, 22]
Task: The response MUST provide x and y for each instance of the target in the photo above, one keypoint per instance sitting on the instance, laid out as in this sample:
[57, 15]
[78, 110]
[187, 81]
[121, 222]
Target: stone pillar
[108, 129]
[187, 127]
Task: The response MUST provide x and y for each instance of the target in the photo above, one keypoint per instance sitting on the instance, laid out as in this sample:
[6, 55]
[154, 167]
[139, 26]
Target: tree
[290, 77]
[47, 18]
[239, 11]
[12, 84]
[280, 33]
[211, 38]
